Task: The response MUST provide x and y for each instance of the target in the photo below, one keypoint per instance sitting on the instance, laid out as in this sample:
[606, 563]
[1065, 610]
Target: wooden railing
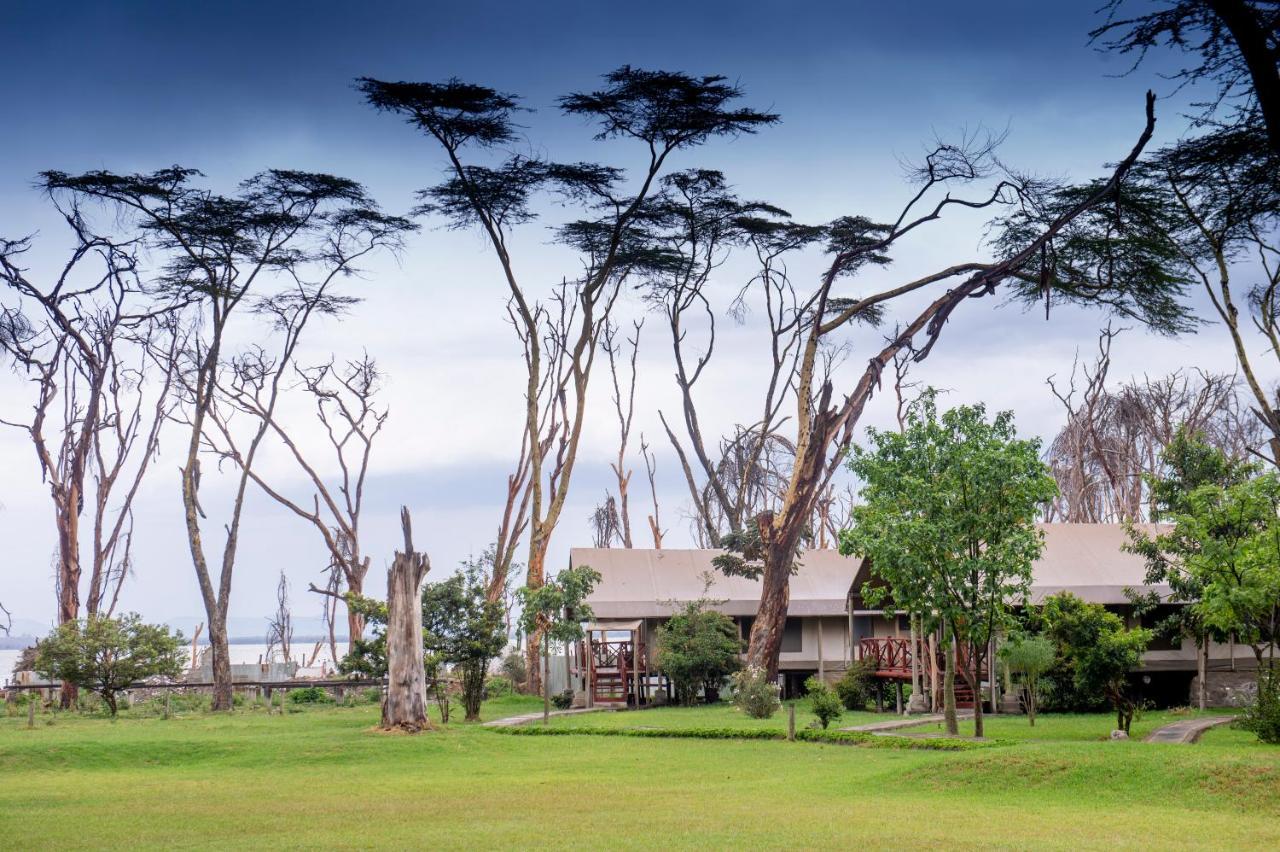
[892, 654]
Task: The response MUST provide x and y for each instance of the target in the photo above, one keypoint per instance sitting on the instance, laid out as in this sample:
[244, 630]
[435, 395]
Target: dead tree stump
[405, 705]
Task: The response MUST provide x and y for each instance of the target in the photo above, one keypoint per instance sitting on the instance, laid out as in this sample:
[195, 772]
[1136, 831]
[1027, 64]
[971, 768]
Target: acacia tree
[1236, 44]
[81, 339]
[275, 248]
[1046, 244]
[404, 706]
[663, 112]
[948, 523]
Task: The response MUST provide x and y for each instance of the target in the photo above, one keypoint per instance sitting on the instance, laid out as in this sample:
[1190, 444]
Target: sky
[233, 88]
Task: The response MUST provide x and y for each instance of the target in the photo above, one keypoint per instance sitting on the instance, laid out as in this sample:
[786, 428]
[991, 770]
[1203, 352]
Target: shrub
[498, 686]
[754, 694]
[855, 687]
[310, 695]
[1029, 657]
[1263, 716]
[824, 702]
[563, 700]
[515, 670]
[697, 649]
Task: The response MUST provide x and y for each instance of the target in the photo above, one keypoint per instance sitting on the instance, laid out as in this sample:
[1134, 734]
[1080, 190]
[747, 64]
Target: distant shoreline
[17, 643]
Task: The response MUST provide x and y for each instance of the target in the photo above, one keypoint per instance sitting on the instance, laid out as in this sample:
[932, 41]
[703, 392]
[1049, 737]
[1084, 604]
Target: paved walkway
[1188, 730]
[513, 721]
[901, 722]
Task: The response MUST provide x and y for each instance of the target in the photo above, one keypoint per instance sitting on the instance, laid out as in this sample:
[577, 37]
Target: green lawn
[324, 777]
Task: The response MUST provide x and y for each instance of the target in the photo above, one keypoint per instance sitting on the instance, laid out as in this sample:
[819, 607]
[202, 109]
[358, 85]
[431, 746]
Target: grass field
[323, 777]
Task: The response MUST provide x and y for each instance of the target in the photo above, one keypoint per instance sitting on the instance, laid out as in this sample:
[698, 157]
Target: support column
[822, 670]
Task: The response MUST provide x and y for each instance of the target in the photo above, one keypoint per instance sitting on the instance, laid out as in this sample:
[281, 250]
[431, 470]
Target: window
[904, 624]
[792, 640]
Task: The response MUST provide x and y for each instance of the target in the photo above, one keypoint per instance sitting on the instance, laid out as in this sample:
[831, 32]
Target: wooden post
[791, 722]
[915, 656]
[168, 693]
[32, 698]
[635, 664]
[898, 695]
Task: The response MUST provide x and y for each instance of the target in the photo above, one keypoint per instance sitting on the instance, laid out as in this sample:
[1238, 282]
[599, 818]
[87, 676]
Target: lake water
[248, 653]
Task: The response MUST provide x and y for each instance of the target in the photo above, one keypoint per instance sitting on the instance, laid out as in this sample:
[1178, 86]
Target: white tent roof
[1084, 559]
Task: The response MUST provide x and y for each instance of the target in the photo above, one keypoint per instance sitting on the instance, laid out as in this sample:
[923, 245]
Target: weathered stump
[405, 705]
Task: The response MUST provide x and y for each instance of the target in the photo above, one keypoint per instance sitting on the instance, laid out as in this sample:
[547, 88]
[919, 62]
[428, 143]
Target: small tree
[698, 648]
[1101, 651]
[823, 700]
[949, 524]
[106, 655]
[556, 610]
[463, 628]
[1029, 657]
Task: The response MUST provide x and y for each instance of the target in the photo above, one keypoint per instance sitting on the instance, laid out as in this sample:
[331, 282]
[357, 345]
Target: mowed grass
[325, 778]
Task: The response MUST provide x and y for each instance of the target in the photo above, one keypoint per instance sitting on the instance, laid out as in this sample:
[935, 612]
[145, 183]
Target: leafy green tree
[106, 655]
[557, 610]
[855, 686]
[1188, 463]
[823, 700]
[698, 648]
[1029, 657]
[463, 628]
[948, 523]
[1097, 649]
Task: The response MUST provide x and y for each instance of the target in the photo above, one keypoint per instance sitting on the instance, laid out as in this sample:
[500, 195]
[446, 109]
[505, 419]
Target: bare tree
[625, 407]
[1113, 438]
[275, 248]
[662, 111]
[82, 339]
[346, 405]
[651, 469]
[280, 625]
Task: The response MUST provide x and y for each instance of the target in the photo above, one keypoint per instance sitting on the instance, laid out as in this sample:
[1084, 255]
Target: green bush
[754, 694]
[563, 700]
[855, 686]
[498, 686]
[515, 670]
[697, 649]
[310, 695]
[823, 701]
[1263, 716]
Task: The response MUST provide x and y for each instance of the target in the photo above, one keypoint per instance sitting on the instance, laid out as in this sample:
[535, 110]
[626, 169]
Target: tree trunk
[1030, 693]
[546, 679]
[974, 676]
[534, 579]
[220, 655]
[1251, 38]
[779, 543]
[68, 578]
[405, 707]
[949, 686]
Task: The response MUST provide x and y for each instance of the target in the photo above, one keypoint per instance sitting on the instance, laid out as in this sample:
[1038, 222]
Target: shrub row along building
[830, 624]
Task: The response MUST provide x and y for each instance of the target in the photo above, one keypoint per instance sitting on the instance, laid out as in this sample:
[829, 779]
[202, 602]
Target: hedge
[856, 738]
